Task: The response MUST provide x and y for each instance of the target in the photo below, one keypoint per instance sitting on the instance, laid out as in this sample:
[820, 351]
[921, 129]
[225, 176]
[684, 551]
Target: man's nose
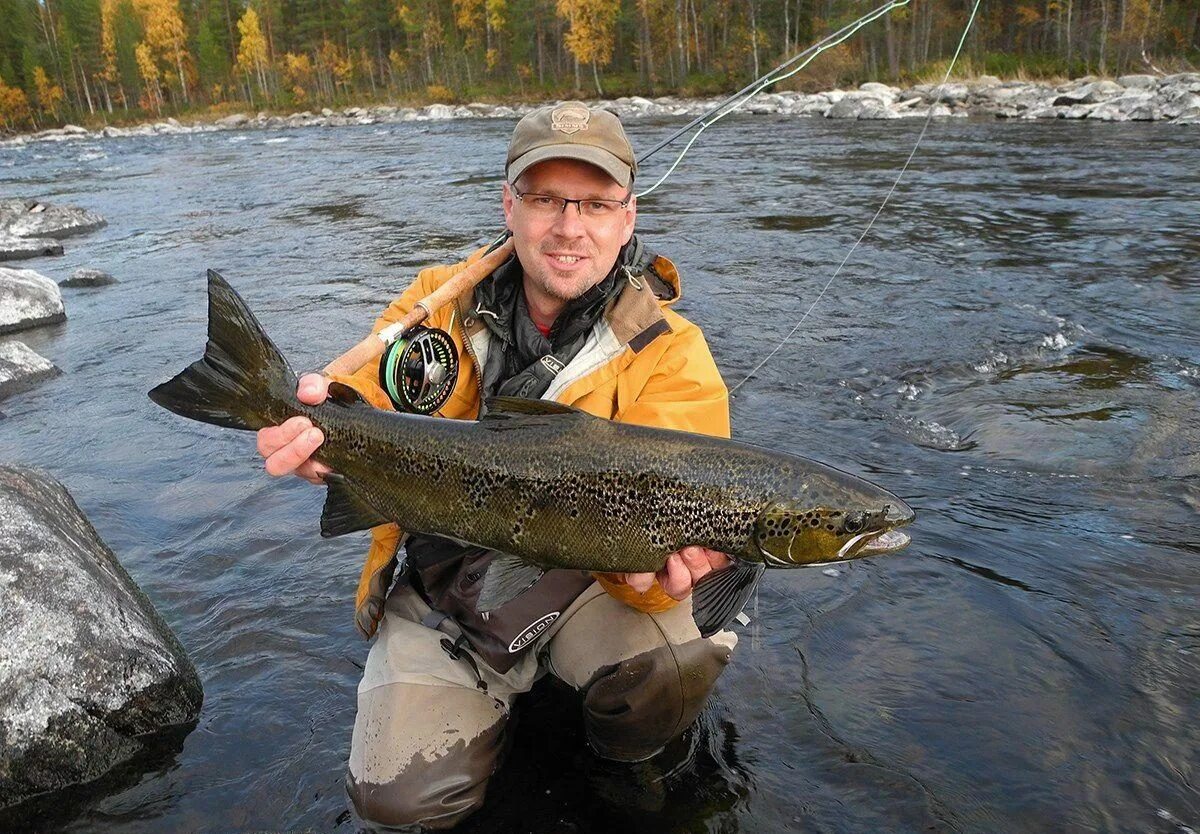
[570, 221]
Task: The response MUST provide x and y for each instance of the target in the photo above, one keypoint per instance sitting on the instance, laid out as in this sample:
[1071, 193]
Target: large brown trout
[544, 483]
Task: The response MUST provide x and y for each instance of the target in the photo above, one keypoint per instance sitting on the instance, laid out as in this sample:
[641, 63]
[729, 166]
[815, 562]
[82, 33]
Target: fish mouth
[889, 541]
[873, 543]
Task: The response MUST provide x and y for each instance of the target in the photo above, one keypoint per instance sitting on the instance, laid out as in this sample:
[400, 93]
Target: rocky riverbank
[1137, 98]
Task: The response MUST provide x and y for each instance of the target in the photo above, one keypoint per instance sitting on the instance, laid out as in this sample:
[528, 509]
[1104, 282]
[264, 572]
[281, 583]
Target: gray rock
[29, 218]
[21, 367]
[1191, 117]
[74, 130]
[21, 248]
[236, 120]
[88, 278]
[1175, 101]
[326, 112]
[876, 112]
[880, 91]
[439, 111]
[1138, 82]
[28, 299]
[853, 105]
[1135, 105]
[88, 665]
[1186, 80]
[987, 81]
[1093, 93]
[1077, 111]
[951, 92]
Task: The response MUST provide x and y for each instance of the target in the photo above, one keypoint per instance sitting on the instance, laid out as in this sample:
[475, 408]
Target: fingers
[640, 582]
[675, 579]
[273, 438]
[313, 389]
[290, 457]
[681, 571]
[313, 471]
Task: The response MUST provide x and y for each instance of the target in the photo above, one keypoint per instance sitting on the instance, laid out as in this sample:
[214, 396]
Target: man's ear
[630, 219]
[507, 200]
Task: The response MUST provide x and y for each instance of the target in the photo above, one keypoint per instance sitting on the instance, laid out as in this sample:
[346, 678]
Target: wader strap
[456, 649]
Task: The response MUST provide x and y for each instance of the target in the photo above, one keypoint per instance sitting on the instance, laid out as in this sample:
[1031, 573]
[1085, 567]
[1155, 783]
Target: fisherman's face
[564, 255]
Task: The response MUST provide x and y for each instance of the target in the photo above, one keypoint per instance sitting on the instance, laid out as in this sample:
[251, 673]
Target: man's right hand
[288, 449]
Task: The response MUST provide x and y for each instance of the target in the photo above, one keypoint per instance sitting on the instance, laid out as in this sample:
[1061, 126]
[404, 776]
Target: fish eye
[855, 522]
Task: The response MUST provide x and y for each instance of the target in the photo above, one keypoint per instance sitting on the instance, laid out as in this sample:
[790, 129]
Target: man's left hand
[681, 572]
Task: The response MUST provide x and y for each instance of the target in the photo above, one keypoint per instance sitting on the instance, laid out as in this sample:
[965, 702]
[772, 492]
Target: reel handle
[372, 347]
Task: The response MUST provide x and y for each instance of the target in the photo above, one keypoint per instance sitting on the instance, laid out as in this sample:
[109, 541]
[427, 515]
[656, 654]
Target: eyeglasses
[546, 206]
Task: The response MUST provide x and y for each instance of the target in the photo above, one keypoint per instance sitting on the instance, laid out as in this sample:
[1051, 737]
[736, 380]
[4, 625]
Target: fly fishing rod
[418, 365]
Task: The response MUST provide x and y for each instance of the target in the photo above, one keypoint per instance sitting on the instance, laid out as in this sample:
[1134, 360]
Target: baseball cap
[571, 130]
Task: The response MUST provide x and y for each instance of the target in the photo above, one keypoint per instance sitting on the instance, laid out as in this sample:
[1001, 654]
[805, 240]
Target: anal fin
[506, 579]
[720, 596]
[345, 510]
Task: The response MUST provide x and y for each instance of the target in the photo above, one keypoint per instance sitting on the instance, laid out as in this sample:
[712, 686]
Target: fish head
[857, 523]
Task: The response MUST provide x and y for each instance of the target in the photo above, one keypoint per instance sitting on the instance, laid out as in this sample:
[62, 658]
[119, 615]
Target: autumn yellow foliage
[49, 95]
[14, 107]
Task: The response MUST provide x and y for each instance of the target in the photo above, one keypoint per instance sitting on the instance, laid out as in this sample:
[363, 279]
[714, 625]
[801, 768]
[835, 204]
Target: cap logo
[569, 119]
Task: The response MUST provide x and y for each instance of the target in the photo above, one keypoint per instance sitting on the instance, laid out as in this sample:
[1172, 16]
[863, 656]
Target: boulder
[236, 120]
[439, 111]
[30, 218]
[74, 130]
[880, 91]
[1135, 105]
[1185, 80]
[28, 299]
[88, 278]
[873, 111]
[1138, 82]
[88, 665]
[854, 105]
[1191, 117]
[20, 248]
[1093, 93]
[1175, 101]
[21, 367]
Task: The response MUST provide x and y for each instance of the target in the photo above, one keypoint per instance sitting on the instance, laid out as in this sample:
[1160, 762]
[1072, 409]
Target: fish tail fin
[243, 381]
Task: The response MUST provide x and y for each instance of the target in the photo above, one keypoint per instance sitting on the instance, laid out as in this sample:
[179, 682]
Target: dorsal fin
[343, 394]
[499, 408]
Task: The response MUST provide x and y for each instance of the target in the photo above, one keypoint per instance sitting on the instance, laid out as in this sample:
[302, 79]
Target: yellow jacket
[643, 364]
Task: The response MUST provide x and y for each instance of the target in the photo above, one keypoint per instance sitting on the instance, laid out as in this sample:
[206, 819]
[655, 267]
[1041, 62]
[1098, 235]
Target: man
[579, 315]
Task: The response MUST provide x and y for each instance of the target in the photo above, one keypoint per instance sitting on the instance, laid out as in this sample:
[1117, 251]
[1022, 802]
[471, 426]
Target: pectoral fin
[345, 510]
[506, 579]
[721, 595]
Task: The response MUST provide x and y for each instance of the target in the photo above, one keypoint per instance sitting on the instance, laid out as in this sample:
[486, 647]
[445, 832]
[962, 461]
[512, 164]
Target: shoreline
[1143, 98]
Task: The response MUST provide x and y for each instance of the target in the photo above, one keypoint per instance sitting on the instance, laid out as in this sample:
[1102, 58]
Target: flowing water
[1014, 350]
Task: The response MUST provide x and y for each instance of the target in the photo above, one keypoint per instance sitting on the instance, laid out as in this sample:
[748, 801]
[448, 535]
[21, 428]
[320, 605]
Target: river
[1014, 350]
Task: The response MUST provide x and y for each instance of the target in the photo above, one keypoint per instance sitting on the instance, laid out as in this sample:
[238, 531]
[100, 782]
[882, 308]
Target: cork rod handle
[373, 346]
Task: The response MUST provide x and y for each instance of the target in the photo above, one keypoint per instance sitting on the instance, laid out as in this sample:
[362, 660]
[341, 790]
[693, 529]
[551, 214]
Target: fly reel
[418, 371]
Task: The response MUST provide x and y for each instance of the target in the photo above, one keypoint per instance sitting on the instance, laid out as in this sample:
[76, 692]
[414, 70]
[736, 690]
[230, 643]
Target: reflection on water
[1013, 350]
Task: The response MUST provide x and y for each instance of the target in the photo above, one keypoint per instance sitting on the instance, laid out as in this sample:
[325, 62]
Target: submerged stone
[88, 278]
[30, 218]
[21, 367]
[22, 248]
[28, 299]
[87, 666]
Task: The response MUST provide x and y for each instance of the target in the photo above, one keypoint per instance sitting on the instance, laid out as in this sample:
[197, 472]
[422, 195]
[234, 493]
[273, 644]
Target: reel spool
[418, 371]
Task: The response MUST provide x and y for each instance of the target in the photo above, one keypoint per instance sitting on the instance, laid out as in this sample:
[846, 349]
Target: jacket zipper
[462, 322]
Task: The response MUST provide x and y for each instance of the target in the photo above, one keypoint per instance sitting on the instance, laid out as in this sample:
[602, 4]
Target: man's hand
[681, 572]
[289, 448]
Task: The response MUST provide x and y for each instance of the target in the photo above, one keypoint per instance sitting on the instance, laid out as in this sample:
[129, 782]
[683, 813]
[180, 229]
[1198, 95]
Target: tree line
[100, 60]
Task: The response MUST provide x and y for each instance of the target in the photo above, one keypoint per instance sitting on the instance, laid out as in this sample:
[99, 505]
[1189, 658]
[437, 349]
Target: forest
[106, 61]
